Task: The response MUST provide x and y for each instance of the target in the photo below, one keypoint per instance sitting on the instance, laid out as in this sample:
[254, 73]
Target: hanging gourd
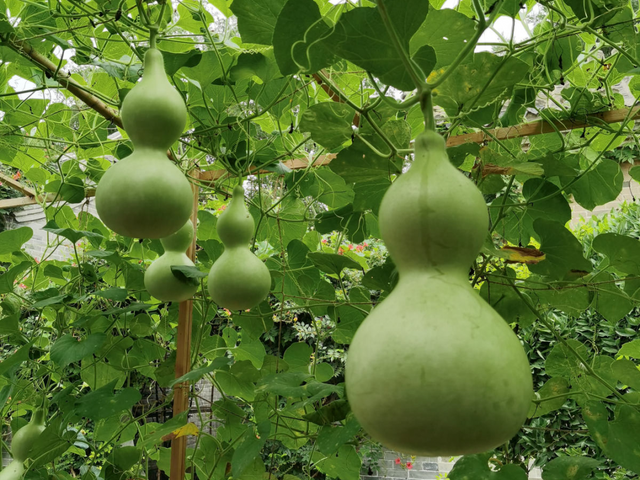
[238, 279]
[21, 445]
[145, 195]
[434, 370]
[159, 280]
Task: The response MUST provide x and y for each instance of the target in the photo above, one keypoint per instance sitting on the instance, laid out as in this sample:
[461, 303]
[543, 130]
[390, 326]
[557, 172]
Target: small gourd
[21, 445]
[159, 280]
[145, 195]
[238, 279]
[434, 370]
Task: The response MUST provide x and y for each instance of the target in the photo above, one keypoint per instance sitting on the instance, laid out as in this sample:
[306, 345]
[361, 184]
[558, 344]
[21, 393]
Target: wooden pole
[183, 357]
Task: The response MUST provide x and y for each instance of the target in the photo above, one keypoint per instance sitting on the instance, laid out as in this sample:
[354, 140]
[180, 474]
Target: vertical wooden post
[183, 357]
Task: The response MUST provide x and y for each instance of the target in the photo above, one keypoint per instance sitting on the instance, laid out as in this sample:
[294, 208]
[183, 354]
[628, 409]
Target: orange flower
[17, 176]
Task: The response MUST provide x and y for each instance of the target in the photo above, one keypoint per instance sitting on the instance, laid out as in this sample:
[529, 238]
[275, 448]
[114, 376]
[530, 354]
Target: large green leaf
[257, 19]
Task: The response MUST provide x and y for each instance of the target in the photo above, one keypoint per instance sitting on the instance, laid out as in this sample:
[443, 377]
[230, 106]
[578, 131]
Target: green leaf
[631, 349]
[69, 233]
[627, 373]
[331, 439]
[297, 39]
[476, 467]
[332, 262]
[620, 437]
[52, 442]
[190, 275]
[361, 37]
[257, 19]
[598, 186]
[446, 31]
[623, 252]
[249, 448]
[345, 465]
[104, 402]
[554, 387]
[474, 83]
[13, 361]
[195, 375]
[497, 291]
[12, 240]
[562, 362]
[563, 251]
[570, 468]
[611, 301]
[7, 279]
[330, 123]
[298, 357]
[328, 414]
[69, 349]
[116, 294]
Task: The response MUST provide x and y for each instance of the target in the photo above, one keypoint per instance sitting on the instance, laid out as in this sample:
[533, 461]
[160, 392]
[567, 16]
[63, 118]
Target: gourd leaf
[344, 465]
[328, 414]
[618, 438]
[69, 349]
[12, 362]
[554, 387]
[297, 39]
[332, 262]
[8, 278]
[622, 252]
[446, 31]
[52, 442]
[476, 467]
[188, 274]
[12, 240]
[104, 402]
[69, 233]
[257, 19]
[570, 468]
[563, 251]
[631, 349]
[598, 186]
[330, 124]
[249, 447]
[195, 375]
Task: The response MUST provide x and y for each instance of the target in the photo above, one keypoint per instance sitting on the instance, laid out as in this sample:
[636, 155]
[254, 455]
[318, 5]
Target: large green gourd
[434, 370]
[145, 195]
[238, 279]
[159, 280]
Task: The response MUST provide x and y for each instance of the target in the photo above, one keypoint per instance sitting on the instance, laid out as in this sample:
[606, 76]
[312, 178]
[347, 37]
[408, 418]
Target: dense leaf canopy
[313, 105]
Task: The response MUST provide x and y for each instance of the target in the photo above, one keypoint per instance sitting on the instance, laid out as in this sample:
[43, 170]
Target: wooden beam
[17, 185]
[210, 176]
[49, 198]
[183, 356]
[542, 126]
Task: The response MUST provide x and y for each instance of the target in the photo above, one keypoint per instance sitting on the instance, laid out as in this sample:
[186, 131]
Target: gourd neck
[38, 416]
[154, 66]
[419, 274]
[235, 226]
[180, 241]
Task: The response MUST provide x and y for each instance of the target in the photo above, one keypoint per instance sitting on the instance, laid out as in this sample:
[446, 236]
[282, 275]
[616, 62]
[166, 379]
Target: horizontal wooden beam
[211, 176]
[17, 185]
[542, 126]
[49, 198]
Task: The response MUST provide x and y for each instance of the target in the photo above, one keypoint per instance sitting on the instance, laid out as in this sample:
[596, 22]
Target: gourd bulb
[145, 195]
[159, 279]
[25, 437]
[238, 279]
[434, 370]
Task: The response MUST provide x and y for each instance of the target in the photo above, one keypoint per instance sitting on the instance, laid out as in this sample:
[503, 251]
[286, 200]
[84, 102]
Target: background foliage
[267, 81]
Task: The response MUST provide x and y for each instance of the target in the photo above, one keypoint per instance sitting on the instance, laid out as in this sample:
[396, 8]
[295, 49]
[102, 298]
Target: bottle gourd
[145, 195]
[159, 280]
[21, 445]
[434, 370]
[238, 279]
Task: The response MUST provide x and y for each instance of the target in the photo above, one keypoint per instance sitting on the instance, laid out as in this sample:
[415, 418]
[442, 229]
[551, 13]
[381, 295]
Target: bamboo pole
[183, 357]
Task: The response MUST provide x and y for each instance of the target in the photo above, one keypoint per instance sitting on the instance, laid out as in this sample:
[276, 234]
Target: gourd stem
[153, 33]
[426, 105]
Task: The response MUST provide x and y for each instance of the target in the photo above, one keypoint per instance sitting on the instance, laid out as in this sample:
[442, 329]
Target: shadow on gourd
[145, 195]
[238, 279]
[434, 370]
[159, 280]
